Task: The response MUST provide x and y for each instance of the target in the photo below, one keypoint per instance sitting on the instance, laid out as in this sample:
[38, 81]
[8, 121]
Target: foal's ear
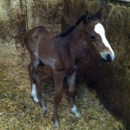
[100, 13]
[88, 16]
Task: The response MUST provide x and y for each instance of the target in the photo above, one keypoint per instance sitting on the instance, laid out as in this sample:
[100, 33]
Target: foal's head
[96, 33]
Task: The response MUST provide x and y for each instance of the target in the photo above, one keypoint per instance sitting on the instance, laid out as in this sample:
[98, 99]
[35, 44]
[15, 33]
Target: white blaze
[99, 29]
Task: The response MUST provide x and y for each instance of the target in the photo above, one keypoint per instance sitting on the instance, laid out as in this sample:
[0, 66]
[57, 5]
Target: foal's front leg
[58, 78]
[72, 91]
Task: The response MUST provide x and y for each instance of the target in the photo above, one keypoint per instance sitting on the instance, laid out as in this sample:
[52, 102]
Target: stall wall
[17, 17]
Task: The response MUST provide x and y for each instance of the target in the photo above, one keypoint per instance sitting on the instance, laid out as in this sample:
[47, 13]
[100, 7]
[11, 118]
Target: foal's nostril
[108, 58]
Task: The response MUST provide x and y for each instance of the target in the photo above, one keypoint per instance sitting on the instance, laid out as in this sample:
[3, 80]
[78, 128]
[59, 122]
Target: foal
[63, 54]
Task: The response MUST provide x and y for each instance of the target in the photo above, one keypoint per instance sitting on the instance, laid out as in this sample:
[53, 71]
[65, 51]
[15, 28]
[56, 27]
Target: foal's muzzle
[108, 57]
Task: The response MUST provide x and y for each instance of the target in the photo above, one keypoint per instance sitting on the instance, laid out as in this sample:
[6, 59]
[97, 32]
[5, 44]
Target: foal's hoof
[56, 123]
[36, 100]
[44, 110]
[77, 115]
[74, 111]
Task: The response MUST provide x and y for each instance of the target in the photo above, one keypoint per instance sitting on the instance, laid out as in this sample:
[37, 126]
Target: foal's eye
[92, 37]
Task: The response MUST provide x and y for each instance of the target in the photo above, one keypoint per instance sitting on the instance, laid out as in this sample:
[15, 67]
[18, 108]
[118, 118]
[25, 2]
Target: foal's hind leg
[35, 81]
[72, 92]
[58, 77]
[33, 86]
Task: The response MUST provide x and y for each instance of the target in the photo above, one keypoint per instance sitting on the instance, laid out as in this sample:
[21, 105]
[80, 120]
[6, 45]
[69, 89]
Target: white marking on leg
[101, 31]
[74, 111]
[34, 93]
[56, 123]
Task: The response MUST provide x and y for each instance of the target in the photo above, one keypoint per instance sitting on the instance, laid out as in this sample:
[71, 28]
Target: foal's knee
[72, 92]
[58, 96]
[34, 75]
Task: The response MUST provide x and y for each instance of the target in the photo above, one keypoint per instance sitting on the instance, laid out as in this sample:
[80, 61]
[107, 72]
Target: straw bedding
[18, 112]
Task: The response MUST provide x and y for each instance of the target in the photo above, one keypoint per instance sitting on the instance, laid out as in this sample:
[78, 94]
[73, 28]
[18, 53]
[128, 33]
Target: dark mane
[72, 28]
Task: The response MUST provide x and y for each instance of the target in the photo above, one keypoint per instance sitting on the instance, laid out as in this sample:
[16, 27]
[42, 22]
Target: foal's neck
[77, 34]
[76, 41]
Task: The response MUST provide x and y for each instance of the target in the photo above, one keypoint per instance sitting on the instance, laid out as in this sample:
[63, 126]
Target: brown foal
[63, 54]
